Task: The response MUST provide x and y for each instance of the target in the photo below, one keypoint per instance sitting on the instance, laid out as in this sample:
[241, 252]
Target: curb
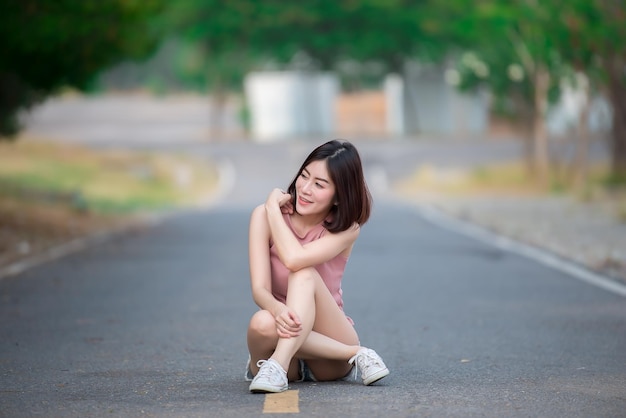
[226, 180]
[75, 245]
[544, 257]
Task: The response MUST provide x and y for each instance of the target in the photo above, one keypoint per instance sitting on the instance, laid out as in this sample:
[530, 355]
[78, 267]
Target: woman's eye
[319, 185]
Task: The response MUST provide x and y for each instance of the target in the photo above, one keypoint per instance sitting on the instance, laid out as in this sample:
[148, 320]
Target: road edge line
[545, 257]
[74, 245]
[226, 181]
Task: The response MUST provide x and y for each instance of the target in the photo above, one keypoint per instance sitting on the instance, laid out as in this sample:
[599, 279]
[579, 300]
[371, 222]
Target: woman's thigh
[330, 320]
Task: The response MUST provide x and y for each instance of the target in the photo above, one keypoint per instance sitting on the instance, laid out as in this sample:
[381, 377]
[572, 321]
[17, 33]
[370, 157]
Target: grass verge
[52, 193]
[514, 179]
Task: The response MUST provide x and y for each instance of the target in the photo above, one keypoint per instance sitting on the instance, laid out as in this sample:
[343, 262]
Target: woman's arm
[294, 255]
[260, 269]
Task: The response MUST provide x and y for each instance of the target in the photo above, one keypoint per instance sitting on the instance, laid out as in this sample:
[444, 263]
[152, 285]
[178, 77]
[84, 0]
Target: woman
[299, 244]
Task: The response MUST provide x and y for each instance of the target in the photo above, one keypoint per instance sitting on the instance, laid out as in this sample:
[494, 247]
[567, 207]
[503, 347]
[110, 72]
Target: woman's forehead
[318, 167]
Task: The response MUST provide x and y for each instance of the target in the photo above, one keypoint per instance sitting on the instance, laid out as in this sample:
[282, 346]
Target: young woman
[299, 244]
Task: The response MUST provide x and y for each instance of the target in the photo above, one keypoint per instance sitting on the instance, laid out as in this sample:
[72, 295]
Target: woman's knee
[308, 274]
[262, 324]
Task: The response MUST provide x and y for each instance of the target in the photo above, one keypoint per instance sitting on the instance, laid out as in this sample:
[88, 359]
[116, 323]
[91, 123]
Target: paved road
[152, 323]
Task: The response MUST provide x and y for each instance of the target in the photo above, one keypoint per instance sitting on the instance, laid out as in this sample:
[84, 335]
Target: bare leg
[327, 341]
[309, 297]
[262, 340]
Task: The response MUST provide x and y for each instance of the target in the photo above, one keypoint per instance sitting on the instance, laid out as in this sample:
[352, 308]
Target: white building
[288, 104]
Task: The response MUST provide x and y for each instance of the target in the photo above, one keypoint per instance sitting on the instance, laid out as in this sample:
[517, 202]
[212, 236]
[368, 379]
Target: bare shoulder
[350, 234]
[258, 216]
[259, 210]
[355, 230]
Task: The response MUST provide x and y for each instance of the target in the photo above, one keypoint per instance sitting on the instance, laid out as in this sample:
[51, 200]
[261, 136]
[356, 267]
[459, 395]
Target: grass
[493, 179]
[51, 193]
[514, 179]
[102, 182]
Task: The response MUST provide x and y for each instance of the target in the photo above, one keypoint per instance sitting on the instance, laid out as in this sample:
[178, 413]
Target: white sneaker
[371, 365]
[248, 375]
[270, 378]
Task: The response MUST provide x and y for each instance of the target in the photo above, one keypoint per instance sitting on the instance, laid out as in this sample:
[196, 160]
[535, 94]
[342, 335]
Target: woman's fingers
[288, 324]
[285, 330]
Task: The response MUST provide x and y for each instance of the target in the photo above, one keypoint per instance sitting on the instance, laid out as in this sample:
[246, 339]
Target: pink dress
[331, 271]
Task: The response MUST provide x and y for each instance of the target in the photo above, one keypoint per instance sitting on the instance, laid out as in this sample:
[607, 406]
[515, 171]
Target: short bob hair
[353, 200]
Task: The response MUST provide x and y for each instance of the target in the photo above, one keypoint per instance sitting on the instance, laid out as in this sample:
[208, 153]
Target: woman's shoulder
[259, 209]
[258, 215]
[352, 233]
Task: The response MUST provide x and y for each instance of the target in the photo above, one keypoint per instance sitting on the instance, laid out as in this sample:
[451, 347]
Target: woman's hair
[352, 197]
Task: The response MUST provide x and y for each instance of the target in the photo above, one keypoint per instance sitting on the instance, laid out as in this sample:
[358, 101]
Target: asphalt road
[152, 323]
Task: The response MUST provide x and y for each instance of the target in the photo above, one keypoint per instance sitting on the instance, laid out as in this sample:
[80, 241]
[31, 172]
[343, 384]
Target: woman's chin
[305, 209]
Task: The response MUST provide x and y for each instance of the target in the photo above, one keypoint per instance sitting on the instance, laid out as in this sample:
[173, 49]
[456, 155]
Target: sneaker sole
[266, 389]
[376, 377]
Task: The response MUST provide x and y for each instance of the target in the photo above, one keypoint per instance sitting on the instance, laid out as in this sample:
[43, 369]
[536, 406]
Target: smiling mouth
[303, 200]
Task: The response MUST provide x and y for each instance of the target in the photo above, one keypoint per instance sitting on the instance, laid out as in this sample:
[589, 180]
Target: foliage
[46, 45]
[231, 38]
[595, 44]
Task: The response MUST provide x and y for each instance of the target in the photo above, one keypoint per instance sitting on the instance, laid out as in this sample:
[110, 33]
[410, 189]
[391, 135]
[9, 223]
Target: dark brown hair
[352, 197]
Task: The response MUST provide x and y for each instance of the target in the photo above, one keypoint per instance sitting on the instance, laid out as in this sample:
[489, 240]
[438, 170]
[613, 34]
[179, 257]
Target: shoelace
[272, 372]
[362, 357]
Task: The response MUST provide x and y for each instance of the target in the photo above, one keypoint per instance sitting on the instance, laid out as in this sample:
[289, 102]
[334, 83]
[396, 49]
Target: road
[152, 323]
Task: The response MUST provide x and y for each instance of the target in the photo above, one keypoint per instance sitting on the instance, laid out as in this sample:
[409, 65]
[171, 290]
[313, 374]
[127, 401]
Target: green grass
[493, 179]
[102, 182]
[513, 178]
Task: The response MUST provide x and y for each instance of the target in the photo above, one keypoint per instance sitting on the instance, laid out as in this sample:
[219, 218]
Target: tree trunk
[216, 117]
[525, 113]
[540, 133]
[580, 166]
[617, 91]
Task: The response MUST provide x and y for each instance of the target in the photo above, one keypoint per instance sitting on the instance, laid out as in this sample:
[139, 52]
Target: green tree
[529, 47]
[235, 37]
[50, 44]
[512, 50]
[595, 44]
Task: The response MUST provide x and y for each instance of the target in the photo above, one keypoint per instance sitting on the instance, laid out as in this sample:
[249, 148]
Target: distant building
[288, 104]
[291, 104]
[434, 106]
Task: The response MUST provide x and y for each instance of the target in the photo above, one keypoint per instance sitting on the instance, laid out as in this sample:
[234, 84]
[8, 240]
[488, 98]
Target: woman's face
[315, 191]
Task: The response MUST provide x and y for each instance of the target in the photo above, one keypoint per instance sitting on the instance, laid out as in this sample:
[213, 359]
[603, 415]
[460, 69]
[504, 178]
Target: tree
[47, 45]
[529, 46]
[595, 44]
[513, 52]
[238, 36]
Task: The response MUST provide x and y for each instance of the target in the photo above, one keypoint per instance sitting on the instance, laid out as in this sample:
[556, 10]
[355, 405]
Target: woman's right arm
[260, 268]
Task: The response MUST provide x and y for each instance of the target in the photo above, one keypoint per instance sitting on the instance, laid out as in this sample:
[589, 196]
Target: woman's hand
[287, 208]
[280, 198]
[288, 323]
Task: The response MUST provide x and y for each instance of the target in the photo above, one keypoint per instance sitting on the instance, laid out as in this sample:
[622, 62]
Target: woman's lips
[303, 201]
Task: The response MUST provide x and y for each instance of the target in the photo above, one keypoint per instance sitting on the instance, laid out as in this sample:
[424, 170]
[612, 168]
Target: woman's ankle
[284, 364]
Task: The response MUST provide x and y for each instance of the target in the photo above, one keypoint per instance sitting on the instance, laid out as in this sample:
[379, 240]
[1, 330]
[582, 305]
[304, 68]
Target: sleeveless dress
[331, 271]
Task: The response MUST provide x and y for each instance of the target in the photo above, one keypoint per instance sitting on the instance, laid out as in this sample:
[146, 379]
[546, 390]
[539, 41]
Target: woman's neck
[304, 223]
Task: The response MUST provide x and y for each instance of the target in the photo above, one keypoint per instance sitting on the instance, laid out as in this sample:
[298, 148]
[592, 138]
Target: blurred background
[75, 74]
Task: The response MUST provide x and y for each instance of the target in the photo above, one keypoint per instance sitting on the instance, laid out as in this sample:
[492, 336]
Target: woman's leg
[262, 340]
[328, 339]
[326, 332]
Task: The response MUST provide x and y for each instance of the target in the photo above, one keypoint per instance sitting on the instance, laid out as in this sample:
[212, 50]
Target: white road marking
[440, 219]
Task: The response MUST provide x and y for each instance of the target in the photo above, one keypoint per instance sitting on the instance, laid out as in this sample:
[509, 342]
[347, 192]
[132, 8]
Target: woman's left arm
[294, 255]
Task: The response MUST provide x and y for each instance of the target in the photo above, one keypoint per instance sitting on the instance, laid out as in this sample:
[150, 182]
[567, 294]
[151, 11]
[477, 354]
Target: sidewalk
[589, 234]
